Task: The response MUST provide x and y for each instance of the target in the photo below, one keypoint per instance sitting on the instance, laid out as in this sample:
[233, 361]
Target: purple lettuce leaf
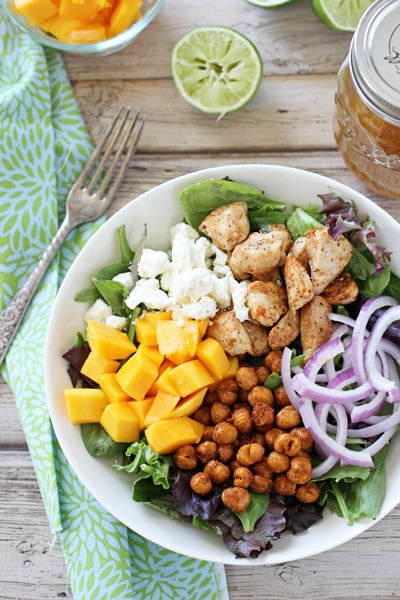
[191, 504]
[249, 545]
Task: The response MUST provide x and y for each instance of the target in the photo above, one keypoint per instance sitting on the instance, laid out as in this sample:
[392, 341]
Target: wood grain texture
[288, 122]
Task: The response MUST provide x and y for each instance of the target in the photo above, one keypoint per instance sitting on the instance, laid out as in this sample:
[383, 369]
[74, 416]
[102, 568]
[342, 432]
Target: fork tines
[106, 167]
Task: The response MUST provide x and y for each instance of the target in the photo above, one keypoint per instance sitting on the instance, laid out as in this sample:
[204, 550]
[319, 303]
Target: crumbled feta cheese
[202, 309]
[116, 322]
[195, 282]
[152, 263]
[239, 294]
[125, 279]
[148, 292]
[99, 311]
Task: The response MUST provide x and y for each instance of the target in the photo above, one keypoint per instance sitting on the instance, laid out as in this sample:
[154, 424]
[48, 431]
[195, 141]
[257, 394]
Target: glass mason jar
[367, 118]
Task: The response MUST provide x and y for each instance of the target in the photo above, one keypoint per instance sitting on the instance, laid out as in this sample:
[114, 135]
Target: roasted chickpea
[207, 433]
[226, 452]
[255, 437]
[282, 485]
[271, 435]
[288, 444]
[206, 451]
[307, 493]
[248, 454]
[300, 470]
[263, 372]
[241, 419]
[273, 360]
[287, 417]
[234, 464]
[219, 412]
[281, 397]
[201, 483]
[259, 393]
[262, 468]
[236, 498]
[263, 415]
[225, 433]
[242, 477]
[227, 391]
[261, 485]
[186, 458]
[305, 437]
[247, 377]
[210, 397]
[243, 395]
[217, 471]
[202, 415]
[278, 461]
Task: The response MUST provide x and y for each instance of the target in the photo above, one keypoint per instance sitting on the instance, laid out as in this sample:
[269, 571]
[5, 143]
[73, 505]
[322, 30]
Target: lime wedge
[216, 69]
[342, 15]
[269, 3]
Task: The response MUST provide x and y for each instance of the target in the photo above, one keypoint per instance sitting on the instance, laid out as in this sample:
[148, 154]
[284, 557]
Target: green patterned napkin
[43, 146]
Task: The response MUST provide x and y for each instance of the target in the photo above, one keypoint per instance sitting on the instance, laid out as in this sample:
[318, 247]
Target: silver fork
[88, 199]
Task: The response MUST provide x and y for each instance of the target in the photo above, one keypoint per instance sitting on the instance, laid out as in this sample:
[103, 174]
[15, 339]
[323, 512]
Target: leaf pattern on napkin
[43, 146]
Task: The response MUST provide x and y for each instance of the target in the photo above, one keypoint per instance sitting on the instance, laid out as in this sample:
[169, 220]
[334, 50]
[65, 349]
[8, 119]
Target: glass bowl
[149, 10]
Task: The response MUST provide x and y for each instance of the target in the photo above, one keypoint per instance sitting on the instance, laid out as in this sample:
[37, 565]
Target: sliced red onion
[341, 436]
[379, 381]
[287, 376]
[371, 431]
[318, 393]
[329, 445]
[360, 331]
[361, 412]
[324, 354]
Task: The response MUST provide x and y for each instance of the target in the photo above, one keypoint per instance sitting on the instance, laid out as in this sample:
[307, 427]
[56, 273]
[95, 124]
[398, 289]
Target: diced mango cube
[190, 377]
[95, 365]
[166, 364]
[110, 386]
[178, 341]
[161, 408]
[137, 375]
[125, 13]
[165, 383]
[213, 356]
[151, 353]
[84, 10]
[233, 367]
[120, 422]
[168, 435]
[85, 405]
[109, 342]
[187, 406]
[155, 316]
[141, 408]
[36, 10]
[146, 332]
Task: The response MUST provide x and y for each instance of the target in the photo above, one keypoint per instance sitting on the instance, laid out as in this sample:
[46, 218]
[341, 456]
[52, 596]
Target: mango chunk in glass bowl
[90, 27]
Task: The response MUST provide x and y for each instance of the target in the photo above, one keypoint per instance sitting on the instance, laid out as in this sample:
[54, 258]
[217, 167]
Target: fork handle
[12, 315]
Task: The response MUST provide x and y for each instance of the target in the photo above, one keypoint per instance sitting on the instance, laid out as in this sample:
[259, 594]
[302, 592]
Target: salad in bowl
[228, 373]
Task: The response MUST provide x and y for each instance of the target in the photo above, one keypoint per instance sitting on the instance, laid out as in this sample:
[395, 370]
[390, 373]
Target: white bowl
[159, 208]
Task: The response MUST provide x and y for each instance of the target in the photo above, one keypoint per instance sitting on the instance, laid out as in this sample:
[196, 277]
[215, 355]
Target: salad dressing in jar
[367, 119]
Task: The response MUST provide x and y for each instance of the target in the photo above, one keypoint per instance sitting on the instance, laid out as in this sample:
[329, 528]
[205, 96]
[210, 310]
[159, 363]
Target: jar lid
[375, 58]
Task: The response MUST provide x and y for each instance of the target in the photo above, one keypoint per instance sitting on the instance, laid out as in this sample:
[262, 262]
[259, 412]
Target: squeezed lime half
[216, 69]
[342, 15]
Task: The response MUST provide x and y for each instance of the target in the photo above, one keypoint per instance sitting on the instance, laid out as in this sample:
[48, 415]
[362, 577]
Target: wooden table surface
[289, 123]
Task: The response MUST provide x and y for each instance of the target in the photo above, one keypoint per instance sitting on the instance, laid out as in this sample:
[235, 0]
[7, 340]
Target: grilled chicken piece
[343, 290]
[266, 302]
[299, 287]
[227, 225]
[258, 255]
[284, 232]
[238, 337]
[315, 325]
[285, 331]
[327, 257]
[299, 250]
